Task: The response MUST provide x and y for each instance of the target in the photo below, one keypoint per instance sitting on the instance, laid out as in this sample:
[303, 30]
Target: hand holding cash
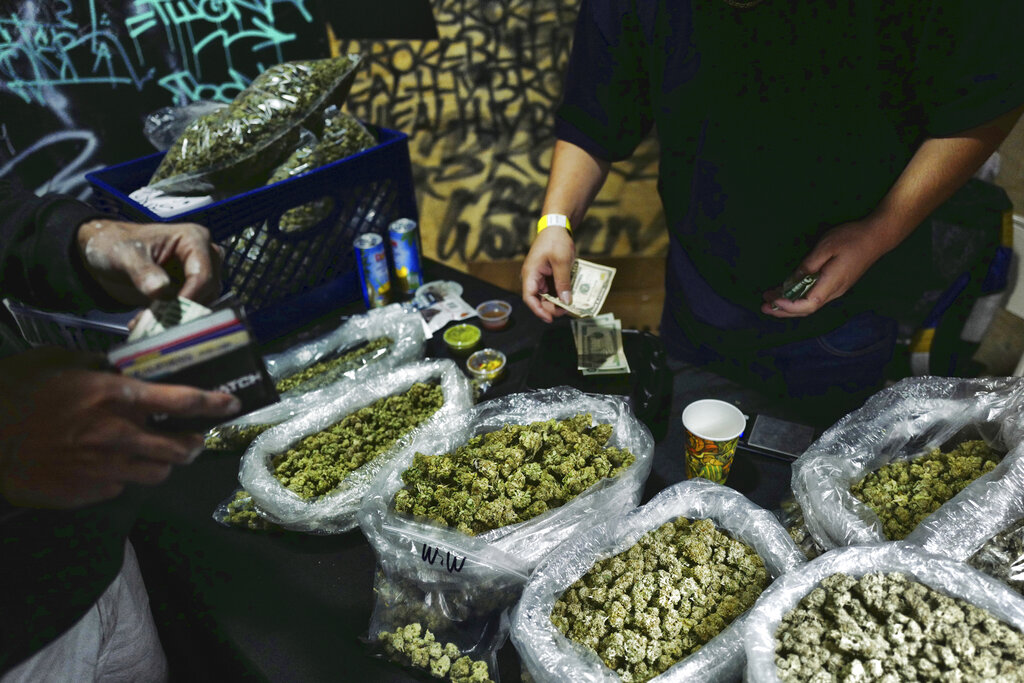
[590, 283]
[598, 337]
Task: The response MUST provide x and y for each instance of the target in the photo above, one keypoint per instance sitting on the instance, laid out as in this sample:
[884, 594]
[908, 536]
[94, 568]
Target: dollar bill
[163, 315]
[599, 347]
[590, 283]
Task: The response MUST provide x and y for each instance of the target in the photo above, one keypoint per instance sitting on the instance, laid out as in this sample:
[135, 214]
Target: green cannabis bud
[412, 645]
[889, 627]
[510, 475]
[661, 600]
[320, 462]
[904, 492]
[328, 370]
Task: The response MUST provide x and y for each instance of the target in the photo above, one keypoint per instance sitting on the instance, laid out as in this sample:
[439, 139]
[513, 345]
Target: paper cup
[713, 429]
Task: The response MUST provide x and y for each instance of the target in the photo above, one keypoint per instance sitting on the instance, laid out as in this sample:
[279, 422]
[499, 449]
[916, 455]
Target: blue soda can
[405, 251]
[373, 269]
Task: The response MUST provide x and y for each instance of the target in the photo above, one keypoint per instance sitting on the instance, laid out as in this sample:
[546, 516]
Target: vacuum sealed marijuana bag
[235, 148]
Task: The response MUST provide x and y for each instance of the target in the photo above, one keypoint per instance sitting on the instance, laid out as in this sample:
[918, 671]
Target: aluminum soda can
[405, 252]
[373, 269]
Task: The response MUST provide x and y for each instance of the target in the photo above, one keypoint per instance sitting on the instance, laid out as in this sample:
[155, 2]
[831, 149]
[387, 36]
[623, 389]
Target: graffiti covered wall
[478, 104]
[77, 79]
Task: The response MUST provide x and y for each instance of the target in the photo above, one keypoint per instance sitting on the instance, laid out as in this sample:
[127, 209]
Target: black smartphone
[777, 438]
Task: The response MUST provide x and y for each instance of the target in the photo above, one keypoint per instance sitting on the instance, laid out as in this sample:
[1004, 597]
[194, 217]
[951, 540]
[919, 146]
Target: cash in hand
[590, 283]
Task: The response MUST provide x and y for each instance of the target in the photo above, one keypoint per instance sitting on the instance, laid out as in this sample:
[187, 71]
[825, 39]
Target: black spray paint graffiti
[478, 105]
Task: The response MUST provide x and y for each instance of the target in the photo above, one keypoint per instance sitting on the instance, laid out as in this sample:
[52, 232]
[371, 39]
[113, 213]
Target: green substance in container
[320, 462]
[326, 371]
[412, 645]
[510, 475]
[904, 492]
[658, 602]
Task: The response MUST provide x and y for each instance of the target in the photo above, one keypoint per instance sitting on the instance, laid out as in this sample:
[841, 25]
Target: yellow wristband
[547, 220]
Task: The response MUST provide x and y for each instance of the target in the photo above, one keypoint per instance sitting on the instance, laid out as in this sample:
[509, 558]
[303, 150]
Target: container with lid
[494, 314]
[462, 338]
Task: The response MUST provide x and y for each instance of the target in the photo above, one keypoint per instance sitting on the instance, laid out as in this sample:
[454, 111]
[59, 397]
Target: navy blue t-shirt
[778, 122]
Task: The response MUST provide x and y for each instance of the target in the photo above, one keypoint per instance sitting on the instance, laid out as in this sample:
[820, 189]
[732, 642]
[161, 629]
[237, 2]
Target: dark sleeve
[605, 105]
[39, 260]
[969, 68]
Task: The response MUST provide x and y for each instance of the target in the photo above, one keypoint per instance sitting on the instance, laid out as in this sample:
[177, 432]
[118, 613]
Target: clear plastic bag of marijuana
[165, 125]
[904, 432]
[235, 148]
[461, 584]
[340, 135]
[312, 500]
[369, 343]
[548, 655]
[945, 576]
[984, 526]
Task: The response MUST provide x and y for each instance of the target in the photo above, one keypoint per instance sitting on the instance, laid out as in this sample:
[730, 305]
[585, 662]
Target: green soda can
[373, 269]
[405, 252]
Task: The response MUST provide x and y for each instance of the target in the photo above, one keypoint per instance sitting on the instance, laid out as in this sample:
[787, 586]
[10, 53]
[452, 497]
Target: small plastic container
[462, 338]
[486, 364]
[494, 314]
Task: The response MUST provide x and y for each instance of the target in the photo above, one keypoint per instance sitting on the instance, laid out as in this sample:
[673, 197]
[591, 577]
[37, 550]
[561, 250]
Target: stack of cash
[599, 345]
[598, 337]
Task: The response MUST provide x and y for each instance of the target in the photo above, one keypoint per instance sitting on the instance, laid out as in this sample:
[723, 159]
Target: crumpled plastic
[403, 327]
[947, 576]
[335, 512]
[903, 422]
[462, 586]
[551, 657]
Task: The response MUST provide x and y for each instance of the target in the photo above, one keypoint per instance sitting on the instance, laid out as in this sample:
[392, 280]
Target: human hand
[551, 256]
[72, 434]
[841, 257]
[136, 263]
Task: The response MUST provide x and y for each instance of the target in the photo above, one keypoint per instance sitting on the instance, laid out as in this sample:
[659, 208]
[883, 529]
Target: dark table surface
[233, 604]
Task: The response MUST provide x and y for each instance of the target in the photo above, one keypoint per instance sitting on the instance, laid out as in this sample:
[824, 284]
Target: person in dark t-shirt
[795, 138]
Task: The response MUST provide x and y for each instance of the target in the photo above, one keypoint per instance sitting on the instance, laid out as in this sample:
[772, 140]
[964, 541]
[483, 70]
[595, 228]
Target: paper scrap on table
[590, 283]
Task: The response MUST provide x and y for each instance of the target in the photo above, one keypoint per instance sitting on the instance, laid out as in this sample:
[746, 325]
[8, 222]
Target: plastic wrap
[235, 148]
[550, 656]
[952, 578]
[403, 327]
[341, 135]
[464, 585]
[165, 125]
[335, 511]
[904, 422]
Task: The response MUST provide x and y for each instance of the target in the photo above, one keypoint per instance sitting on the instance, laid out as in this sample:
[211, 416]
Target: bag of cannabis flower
[884, 624]
[312, 472]
[460, 584]
[363, 346]
[308, 374]
[234, 149]
[549, 655]
[924, 446]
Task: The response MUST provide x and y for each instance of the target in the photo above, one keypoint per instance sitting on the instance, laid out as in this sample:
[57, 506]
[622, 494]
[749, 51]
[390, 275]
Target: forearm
[38, 259]
[575, 179]
[936, 171]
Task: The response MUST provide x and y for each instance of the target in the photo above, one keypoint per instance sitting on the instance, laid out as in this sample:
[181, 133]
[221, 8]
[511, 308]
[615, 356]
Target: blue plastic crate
[286, 279]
